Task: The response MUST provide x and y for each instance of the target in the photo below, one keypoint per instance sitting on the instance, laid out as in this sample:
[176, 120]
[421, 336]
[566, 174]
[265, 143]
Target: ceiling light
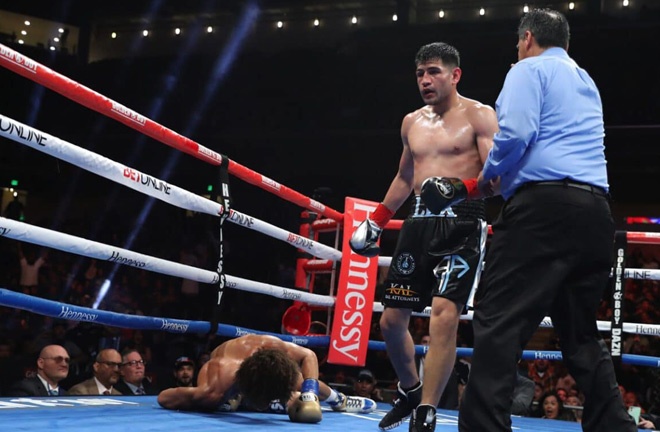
[316, 22]
[145, 33]
[571, 5]
[27, 23]
[354, 20]
[113, 35]
[441, 14]
[177, 31]
[395, 17]
[280, 24]
[482, 11]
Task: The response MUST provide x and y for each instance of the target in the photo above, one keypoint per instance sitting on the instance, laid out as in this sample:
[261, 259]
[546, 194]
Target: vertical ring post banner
[225, 197]
[358, 276]
[620, 245]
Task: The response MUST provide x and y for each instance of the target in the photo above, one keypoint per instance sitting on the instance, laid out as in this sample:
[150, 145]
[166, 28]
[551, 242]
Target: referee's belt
[565, 183]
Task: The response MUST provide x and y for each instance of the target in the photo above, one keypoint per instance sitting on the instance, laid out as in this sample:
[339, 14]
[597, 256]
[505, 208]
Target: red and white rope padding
[77, 92]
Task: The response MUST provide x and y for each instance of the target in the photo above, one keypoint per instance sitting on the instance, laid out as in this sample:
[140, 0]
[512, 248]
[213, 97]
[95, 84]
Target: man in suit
[52, 367]
[106, 374]
[133, 382]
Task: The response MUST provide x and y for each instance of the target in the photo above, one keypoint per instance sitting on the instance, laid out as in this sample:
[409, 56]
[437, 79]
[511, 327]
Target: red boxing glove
[382, 215]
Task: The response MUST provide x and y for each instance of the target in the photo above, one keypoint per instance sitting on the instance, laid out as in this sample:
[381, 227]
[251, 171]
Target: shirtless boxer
[438, 257]
[253, 371]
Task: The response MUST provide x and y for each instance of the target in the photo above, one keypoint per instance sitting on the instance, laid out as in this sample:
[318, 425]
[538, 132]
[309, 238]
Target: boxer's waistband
[468, 208]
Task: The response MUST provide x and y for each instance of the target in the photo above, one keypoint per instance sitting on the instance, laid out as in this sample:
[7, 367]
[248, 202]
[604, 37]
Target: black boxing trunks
[437, 255]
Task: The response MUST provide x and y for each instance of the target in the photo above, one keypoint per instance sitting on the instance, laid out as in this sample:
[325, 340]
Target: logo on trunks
[450, 264]
[401, 293]
[405, 264]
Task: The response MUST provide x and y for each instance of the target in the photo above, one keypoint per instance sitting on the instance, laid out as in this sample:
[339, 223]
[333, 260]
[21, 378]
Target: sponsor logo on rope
[647, 330]
[128, 113]
[540, 355]
[4, 231]
[241, 219]
[299, 341]
[638, 274]
[210, 153]
[301, 242]
[70, 314]
[173, 326]
[242, 332]
[25, 133]
[116, 257]
[271, 183]
[317, 205]
[18, 59]
[290, 295]
[354, 303]
[147, 180]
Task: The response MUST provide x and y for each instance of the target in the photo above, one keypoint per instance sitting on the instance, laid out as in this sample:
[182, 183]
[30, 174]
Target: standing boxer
[254, 371]
[438, 256]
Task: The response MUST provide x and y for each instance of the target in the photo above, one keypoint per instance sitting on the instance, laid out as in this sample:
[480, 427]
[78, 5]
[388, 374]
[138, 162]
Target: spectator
[30, 266]
[523, 396]
[365, 386]
[184, 372]
[106, 374]
[575, 404]
[542, 372]
[133, 381]
[15, 209]
[551, 407]
[52, 367]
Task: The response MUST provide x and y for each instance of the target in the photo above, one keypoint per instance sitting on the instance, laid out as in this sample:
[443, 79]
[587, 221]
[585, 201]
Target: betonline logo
[147, 180]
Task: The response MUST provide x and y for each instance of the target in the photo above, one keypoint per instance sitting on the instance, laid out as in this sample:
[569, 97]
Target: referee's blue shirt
[551, 125]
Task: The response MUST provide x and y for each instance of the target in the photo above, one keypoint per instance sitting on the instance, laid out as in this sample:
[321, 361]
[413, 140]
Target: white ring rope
[134, 179]
[68, 243]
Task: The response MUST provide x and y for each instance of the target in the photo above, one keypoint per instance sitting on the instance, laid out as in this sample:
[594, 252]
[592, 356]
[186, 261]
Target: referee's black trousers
[550, 254]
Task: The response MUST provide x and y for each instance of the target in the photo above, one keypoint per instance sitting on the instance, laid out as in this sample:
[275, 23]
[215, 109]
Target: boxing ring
[143, 413]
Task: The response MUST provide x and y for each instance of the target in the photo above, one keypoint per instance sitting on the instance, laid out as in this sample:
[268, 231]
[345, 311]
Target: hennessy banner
[355, 294]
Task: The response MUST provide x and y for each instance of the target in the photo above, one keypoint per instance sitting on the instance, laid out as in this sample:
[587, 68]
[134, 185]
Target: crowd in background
[56, 275]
